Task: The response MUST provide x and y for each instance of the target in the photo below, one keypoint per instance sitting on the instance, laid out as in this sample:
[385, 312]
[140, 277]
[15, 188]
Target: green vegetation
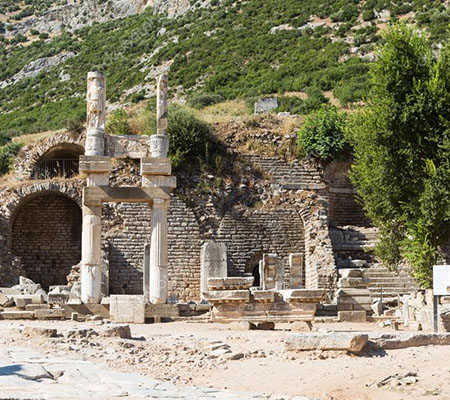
[401, 146]
[118, 123]
[322, 135]
[8, 153]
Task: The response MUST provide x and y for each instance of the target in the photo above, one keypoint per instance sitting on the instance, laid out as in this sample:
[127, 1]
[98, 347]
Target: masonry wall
[46, 235]
[344, 210]
[126, 228]
[250, 233]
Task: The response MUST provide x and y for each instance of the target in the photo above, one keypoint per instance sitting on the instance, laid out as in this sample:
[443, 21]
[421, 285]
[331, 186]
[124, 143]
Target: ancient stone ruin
[98, 223]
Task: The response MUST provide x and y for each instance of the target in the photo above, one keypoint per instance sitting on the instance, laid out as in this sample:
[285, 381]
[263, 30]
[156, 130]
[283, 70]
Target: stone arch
[344, 207]
[30, 156]
[44, 231]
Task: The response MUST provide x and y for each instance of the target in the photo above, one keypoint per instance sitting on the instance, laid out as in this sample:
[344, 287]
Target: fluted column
[158, 252]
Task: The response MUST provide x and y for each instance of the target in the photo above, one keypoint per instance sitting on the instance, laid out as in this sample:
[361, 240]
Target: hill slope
[232, 48]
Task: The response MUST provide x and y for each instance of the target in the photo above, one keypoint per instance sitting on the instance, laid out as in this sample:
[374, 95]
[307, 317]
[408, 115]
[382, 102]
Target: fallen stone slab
[34, 331]
[17, 314]
[58, 298]
[340, 341]
[34, 307]
[23, 300]
[9, 291]
[404, 340]
[6, 301]
[56, 313]
[352, 316]
[123, 331]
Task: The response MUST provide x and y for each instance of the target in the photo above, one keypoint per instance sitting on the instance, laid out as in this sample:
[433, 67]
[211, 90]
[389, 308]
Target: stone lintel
[227, 295]
[95, 195]
[160, 181]
[156, 166]
[94, 165]
[230, 283]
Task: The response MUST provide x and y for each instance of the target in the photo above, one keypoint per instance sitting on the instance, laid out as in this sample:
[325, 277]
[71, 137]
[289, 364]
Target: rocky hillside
[313, 50]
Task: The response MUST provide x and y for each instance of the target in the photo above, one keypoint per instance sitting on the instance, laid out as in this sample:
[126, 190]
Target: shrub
[7, 155]
[322, 135]
[203, 100]
[118, 123]
[191, 140]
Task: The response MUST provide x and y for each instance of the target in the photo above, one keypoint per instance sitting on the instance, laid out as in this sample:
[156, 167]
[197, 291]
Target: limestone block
[263, 295]
[353, 282]
[232, 283]
[213, 264]
[266, 104]
[58, 298]
[303, 295]
[10, 291]
[338, 341]
[352, 316]
[34, 331]
[94, 165]
[116, 330]
[227, 295]
[23, 300]
[270, 272]
[296, 270]
[17, 315]
[127, 309]
[162, 310]
[350, 273]
[6, 301]
[156, 166]
[34, 307]
[54, 313]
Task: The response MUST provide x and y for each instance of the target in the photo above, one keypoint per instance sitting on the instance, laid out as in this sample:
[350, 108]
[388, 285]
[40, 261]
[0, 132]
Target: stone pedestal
[213, 263]
[158, 253]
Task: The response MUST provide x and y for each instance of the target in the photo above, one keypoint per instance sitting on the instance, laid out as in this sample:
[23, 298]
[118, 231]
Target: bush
[191, 140]
[118, 123]
[203, 100]
[322, 135]
[7, 155]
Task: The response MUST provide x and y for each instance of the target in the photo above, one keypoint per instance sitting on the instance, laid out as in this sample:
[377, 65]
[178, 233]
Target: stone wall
[46, 235]
[250, 233]
[126, 228]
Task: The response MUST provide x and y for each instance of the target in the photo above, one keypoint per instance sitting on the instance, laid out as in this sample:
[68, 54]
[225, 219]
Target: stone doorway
[46, 235]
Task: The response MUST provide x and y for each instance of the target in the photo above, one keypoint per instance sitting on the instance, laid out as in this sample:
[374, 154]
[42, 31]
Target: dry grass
[222, 112]
[32, 138]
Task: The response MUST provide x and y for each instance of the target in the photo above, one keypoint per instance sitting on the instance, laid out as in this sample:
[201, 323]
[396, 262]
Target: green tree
[401, 144]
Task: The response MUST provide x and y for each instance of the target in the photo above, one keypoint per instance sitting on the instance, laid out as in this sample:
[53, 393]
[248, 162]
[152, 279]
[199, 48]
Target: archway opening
[255, 274]
[46, 235]
[60, 161]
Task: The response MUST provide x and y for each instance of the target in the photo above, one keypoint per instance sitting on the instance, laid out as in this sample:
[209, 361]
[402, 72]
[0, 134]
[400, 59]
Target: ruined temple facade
[303, 211]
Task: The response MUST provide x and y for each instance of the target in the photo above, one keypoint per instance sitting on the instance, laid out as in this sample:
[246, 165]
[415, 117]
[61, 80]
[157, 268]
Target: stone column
[96, 114]
[91, 255]
[159, 253]
[159, 143]
[213, 263]
[147, 273]
[95, 167]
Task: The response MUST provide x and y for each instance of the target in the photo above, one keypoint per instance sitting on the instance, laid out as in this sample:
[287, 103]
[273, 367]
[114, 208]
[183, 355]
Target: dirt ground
[212, 355]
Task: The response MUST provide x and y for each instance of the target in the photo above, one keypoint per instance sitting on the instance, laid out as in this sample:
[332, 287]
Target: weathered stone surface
[162, 310]
[58, 298]
[341, 341]
[405, 340]
[227, 295]
[265, 326]
[301, 326]
[353, 282]
[34, 331]
[17, 314]
[352, 316]
[377, 306]
[55, 313]
[263, 295]
[296, 266]
[271, 272]
[303, 295]
[123, 331]
[231, 283]
[266, 104]
[350, 273]
[34, 307]
[5, 301]
[127, 309]
[213, 259]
